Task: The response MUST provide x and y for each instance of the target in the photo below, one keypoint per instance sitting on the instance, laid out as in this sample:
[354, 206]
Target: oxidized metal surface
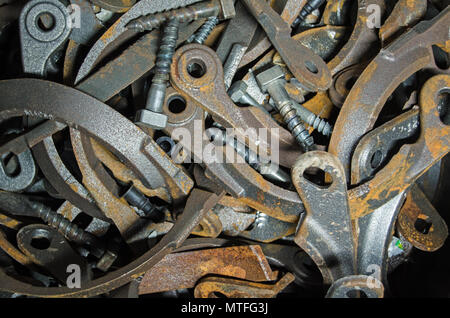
[234, 288]
[410, 53]
[115, 209]
[195, 210]
[420, 223]
[356, 286]
[118, 33]
[308, 68]
[374, 148]
[405, 14]
[184, 269]
[412, 160]
[209, 92]
[77, 105]
[362, 40]
[206, 207]
[289, 10]
[325, 231]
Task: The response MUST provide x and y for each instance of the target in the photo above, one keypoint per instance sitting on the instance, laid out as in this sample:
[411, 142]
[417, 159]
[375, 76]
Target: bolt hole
[11, 165]
[45, 21]
[356, 293]
[311, 67]
[375, 161]
[319, 177]
[177, 104]
[40, 243]
[196, 69]
[166, 144]
[443, 102]
[423, 224]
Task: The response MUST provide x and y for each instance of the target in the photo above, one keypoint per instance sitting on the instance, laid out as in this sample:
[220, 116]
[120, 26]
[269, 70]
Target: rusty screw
[273, 81]
[202, 34]
[152, 115]
[309, 7]
[316, 122]
[67, 228]
[223, 8]
[271, 171]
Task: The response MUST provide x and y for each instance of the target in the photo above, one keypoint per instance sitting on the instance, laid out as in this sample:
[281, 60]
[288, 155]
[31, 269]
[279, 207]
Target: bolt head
[228, 10]
[269, 76]
[147, 118]
[237, 90]
[106, 261]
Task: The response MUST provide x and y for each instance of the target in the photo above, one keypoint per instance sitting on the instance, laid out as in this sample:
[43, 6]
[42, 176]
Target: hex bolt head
[237, 91]
[269, 77]
[150, 119]
[228, 11]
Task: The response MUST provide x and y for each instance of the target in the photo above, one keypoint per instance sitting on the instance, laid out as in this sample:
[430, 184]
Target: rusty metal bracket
[308, 68]
[76, 109]
[117, 34]
[325, 231]
[209, 92]
[238, 179]
[406, 13]
[362, 40]
[184, 269]
[374, 148]
[420, 223]
[412, 160]
[198, 203]
[394, 64]
[289, 11]
[210, 287]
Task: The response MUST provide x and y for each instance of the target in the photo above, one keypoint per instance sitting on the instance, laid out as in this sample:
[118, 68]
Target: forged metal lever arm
[307, 67]
[325, 231]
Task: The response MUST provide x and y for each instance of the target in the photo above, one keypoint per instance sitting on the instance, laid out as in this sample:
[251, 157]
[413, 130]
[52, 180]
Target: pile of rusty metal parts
[224, 148]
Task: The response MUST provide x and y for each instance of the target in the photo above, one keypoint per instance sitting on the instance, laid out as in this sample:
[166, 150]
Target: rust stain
[183, 270]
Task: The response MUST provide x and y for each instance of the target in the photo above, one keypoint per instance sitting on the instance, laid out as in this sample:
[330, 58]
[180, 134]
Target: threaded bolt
[272, 172]
[152, 116]
[183, 15]
[70, 230]
[272, 81]
[309, 7]
[205, 30]
[139, 200]
[315, 121]
[295, 126]
[162, 69]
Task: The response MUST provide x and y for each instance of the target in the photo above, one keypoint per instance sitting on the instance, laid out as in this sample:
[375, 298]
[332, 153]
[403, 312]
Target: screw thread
[62, 224]
[294, 124]
[319, 124]
[166, 51]
[309, 7]
[202, 34]
[183, 15]
[250, 157]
